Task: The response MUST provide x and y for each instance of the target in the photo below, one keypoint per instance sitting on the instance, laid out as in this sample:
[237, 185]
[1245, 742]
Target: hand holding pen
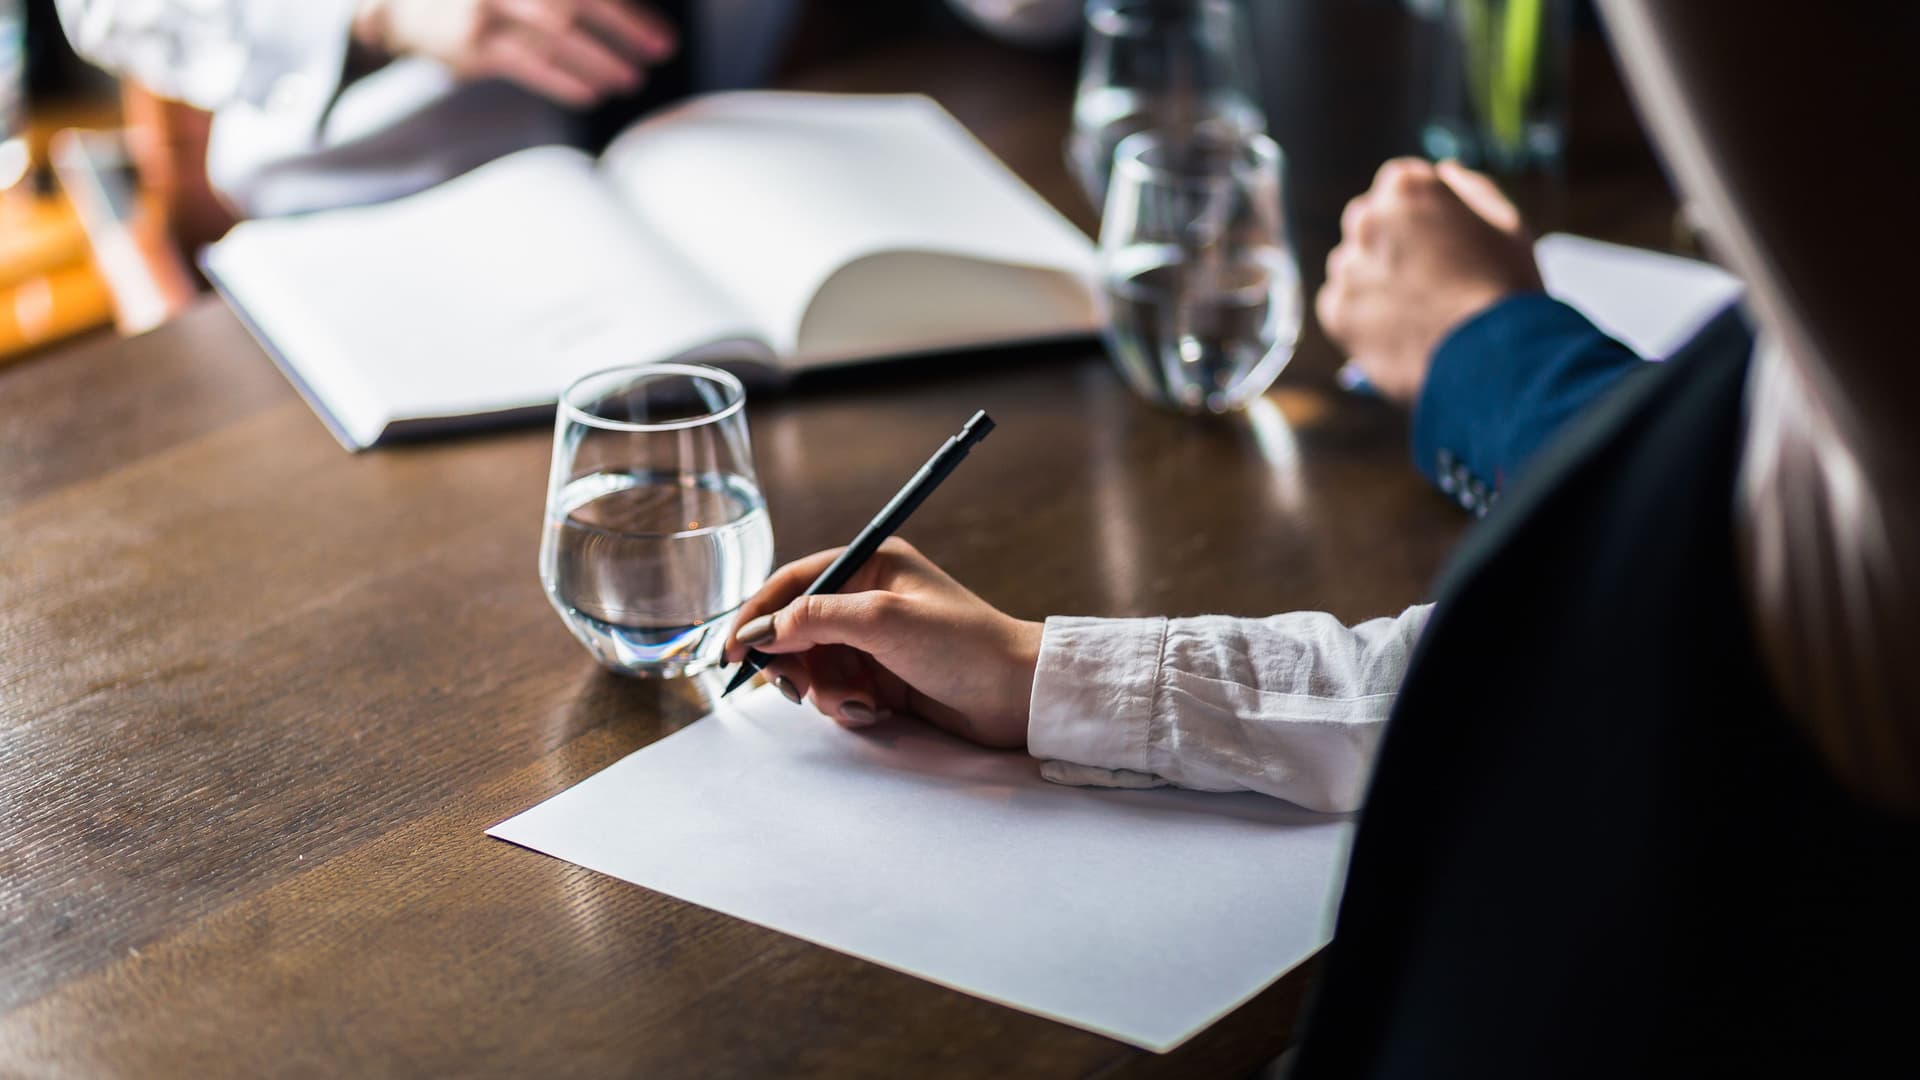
[898, 635]
[884, 524]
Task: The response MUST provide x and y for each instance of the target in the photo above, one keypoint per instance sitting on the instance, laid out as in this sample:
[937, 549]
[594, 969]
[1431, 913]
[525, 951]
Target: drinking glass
[656, 532]
[1158, 65]
[1201, 288]
[1501, 84]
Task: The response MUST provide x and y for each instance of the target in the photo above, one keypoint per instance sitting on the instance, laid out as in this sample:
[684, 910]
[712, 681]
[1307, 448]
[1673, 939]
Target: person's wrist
[1475, 298]
[1399, 373]
[1468, 304]
[1023, 667]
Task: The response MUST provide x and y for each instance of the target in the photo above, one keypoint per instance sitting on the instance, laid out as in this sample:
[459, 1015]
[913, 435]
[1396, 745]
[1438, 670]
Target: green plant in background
[1502, 44]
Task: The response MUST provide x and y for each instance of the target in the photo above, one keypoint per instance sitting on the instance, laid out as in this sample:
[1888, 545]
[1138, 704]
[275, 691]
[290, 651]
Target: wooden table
[259, 698]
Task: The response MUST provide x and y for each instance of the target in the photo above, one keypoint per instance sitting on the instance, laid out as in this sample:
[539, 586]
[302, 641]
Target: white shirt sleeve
[285, 55]
[1292, 706]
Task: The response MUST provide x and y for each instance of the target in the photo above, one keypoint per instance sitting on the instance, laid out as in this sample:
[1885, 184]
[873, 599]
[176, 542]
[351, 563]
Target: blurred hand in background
[574, 52]
[1424, 249]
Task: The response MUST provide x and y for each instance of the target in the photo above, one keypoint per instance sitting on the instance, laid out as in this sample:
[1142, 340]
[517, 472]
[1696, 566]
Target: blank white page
[772, 192]
[1143, 915]
[491, 291]
[1650, 302]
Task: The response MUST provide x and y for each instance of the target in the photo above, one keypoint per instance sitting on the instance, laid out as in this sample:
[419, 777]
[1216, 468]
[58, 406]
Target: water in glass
[656, 531]
[1202, 291]
[649, 569]
[1202, 339]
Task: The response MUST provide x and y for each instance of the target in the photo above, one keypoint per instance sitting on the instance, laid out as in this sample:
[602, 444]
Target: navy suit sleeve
[1501, 384]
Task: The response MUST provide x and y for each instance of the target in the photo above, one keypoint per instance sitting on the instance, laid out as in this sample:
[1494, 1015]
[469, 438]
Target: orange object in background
[113, 241]
[49, 288]
[37, 234]
[51, 306]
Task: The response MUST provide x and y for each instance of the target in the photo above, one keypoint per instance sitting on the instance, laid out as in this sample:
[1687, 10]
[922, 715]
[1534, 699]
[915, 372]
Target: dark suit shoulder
[1595, 843]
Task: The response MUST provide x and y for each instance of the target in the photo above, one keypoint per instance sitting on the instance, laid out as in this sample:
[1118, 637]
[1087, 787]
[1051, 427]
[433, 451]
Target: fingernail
[857, 714]
[785, 686]
[756, 632]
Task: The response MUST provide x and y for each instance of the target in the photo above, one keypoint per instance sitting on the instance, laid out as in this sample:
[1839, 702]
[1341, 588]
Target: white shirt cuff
[1093, 693]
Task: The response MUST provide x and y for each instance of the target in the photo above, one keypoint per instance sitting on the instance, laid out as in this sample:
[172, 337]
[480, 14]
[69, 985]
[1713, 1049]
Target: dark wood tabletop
[259, 697]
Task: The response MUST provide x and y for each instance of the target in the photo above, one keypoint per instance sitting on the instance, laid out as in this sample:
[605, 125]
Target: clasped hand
[574, 52]
[1421, 251]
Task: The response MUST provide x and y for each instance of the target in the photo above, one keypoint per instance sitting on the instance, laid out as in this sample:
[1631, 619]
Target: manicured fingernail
[756, 632]
[857, 714]
[785, 686]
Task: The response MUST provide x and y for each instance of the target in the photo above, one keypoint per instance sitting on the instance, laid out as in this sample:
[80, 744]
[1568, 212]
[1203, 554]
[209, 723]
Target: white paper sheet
[1651, 302]
[1143, 915]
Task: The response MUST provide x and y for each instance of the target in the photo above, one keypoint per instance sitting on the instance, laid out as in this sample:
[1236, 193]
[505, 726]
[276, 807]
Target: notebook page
[773, 192]
[902, 302]
[487, 293]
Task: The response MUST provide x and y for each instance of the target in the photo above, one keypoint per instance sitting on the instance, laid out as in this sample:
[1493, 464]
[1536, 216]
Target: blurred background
[101, 228]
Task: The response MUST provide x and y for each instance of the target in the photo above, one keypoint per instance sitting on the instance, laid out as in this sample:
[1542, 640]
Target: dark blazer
[1595, 843]
[1500, 385]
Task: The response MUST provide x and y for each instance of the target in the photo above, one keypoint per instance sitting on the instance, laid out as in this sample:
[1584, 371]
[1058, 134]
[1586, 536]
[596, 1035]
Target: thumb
[1481, 195]
[859, 620]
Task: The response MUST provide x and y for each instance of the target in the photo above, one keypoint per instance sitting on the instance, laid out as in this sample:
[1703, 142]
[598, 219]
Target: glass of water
[1499, 97]
[1158, 65]
[1201, 288]
[656, 532]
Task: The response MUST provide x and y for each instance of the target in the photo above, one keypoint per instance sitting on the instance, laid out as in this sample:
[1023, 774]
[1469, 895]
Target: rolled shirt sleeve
[1291, 706]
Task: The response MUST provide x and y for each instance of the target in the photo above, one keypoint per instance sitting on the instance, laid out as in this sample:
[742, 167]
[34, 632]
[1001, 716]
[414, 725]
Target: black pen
[937, 468]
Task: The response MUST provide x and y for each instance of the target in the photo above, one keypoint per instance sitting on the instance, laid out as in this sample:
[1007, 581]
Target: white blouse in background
[290, 135]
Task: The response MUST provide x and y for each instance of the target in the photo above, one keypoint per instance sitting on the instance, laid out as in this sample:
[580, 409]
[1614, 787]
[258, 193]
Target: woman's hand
[901, 637]
[1420, 252]
[574, 52]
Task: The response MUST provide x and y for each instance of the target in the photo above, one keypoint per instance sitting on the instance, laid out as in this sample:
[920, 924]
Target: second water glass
[1158, 65]
[1201, 287]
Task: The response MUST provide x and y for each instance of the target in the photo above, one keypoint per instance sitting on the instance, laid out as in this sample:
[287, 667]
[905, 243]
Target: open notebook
[771, 230]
